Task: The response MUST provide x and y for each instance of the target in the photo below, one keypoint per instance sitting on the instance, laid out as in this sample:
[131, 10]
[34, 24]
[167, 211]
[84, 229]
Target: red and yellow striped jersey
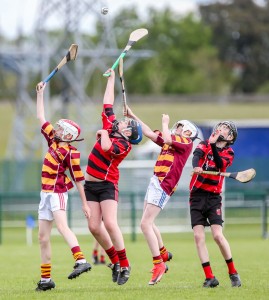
[57, 161]
[171, 161]
[104, 165]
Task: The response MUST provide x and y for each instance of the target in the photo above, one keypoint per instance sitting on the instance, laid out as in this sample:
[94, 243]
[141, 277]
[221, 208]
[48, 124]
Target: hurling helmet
[69, 127]
[233, 131]
[136, 128]
[187, 125]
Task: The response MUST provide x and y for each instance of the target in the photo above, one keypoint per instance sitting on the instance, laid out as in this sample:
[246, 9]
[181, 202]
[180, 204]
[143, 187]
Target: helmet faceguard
[69, 127]
[133, 126]
[186, 126]
[136, 129]
[233, 131]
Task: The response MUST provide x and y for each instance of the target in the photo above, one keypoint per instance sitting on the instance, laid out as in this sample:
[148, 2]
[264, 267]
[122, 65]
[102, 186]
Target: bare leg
[44, 240]
[96, 226]
[60, 218]
[158, 235]
[109, 212]
[199, 238]
[147, 226]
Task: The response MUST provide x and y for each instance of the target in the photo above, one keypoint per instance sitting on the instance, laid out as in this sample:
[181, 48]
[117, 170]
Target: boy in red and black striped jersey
[215, 154]
[61, 156]
[101, 186]
[176, 146]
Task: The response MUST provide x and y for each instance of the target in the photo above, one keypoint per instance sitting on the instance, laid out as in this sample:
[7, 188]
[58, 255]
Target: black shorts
[205, 209]
[100, 191]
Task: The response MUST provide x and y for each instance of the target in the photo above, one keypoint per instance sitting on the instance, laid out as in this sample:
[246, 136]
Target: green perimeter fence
[243, 203]
[240, 207]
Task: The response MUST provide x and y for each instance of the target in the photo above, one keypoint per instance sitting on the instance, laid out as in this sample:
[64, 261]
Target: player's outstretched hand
[128, 112]
[214, 137]
[40, 87]
[197, 170]
[165, 119]
[110, 72]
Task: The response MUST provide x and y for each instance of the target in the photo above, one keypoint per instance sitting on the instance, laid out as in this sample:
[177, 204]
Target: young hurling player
[54, 194]
[101, 186]
[215, 154]
[176, 146]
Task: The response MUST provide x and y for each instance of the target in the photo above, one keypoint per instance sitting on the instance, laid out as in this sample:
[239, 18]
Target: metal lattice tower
[74, 21]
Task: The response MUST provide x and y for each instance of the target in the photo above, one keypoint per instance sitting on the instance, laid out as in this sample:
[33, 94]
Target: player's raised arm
[147, 131]
[109, 92]
[40, 112]
[166, 134]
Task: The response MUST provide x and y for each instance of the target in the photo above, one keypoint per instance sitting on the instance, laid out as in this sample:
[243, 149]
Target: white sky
[22, 14]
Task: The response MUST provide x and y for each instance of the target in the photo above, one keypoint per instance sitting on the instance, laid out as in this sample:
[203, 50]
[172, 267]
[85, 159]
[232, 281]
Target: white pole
[29, 236]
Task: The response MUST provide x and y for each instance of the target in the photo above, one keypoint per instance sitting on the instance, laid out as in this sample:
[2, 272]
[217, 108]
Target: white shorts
[155, 194]
[50, 202]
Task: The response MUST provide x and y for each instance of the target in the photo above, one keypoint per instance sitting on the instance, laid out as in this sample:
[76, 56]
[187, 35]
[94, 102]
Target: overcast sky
[22, 14]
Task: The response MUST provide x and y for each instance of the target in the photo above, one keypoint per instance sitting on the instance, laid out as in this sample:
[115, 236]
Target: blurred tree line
[222, 50]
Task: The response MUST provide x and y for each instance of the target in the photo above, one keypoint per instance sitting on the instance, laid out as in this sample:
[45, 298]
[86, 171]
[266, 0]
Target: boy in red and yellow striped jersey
[176, 146]
[61, 156]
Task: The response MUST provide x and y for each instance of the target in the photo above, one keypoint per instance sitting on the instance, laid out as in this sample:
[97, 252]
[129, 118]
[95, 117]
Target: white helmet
[187, 125]
[69, 127]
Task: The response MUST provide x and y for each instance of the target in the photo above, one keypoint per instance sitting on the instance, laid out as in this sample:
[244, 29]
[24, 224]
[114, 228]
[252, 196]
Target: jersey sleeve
[48, 132]
[108, 116]
[73, 162]
[159, 140]
[200, 149]
[227, 158]
[180, 142]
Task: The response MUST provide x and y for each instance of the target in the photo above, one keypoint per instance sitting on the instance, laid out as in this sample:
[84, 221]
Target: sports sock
[207, 270]
[78, 255]
[123, 258]
[163, 250]
[102, 259]
[45, 272]
[230, 265]
[113, 255]
[157, 259]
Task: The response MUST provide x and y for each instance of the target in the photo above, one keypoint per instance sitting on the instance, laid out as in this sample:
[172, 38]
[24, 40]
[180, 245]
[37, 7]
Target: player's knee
[218, 238]
[94, 229]
[199, 238]
[144, 225]
[43, 239]
[111, 226]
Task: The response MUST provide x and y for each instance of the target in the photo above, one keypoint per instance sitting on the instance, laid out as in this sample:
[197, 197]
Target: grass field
[20, 269]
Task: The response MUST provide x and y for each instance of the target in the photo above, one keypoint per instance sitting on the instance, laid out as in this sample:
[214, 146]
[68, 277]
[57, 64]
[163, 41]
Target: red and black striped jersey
[104, 165]
[205, 182]
[57, 160]
[171, 161]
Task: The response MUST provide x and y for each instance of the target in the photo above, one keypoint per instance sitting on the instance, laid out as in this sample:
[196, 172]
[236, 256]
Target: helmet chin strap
[115, 129]
[58, 140]
[222, 139]
[121, 134]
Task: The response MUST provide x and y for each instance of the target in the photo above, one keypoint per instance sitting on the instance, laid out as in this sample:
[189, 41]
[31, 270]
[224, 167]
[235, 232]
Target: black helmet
[233, 131]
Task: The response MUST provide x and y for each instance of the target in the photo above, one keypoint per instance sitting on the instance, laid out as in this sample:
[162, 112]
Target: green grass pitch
[20, 269]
